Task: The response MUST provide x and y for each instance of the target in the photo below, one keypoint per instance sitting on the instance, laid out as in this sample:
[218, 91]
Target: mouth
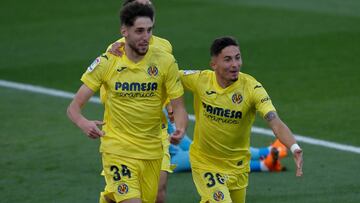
[234, 74]
[144, 44]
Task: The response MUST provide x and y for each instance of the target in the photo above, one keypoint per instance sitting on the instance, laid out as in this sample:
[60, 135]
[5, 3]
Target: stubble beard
[137, 51]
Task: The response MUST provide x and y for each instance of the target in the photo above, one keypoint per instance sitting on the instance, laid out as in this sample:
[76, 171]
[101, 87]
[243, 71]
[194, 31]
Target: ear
[213, 63]
[123, 31]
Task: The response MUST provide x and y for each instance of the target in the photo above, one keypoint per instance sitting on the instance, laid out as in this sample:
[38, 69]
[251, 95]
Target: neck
[223, 83]
[132, 55]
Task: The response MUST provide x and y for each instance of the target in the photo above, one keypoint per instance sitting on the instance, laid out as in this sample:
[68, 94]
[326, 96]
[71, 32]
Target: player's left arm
[175, 91]
[180, 118]
[284, 134]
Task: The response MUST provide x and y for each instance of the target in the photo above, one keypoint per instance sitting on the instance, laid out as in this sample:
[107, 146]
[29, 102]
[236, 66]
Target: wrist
[294, 147]
[80, 122]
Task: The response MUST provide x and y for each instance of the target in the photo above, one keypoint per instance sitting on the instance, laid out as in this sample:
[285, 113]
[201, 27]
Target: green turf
[305, 53]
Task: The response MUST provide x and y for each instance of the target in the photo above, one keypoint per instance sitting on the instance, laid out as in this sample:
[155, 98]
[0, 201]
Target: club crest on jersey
[218, 196]
[123, 188]
[94, 64]
[153, 71]
[237, 98]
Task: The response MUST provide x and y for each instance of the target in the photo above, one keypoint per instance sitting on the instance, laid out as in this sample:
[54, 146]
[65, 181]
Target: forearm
[280, 129]
[284, 134]
[181, 119]
[74, 114]
[79, 101]
[180, 114]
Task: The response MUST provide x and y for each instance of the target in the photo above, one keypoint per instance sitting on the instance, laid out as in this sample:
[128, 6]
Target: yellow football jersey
[223, 120]
[135, 93]
[155, 41]
[159, 43]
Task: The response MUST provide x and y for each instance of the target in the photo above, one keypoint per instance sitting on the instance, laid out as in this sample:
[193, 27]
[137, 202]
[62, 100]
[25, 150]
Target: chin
[142, 52]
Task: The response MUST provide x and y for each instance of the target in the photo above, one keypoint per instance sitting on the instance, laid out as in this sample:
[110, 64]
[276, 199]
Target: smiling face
[137, 37]
[227, 65]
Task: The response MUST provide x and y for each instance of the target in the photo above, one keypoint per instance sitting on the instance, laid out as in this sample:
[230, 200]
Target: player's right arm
[93, 78]
[189, 79]
[90, 128]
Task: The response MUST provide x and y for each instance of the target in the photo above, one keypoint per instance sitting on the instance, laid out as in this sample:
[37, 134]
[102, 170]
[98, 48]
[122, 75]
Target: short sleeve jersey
[158, 42]
[135, 93]
[223, 120]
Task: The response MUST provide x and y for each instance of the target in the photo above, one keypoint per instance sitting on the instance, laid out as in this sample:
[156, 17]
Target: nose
[146, 36]
[236, 63]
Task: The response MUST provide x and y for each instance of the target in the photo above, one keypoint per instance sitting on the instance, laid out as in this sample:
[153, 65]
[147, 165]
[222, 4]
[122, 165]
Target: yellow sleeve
[262, 100]
[189, 78]
[167, 46]
[161, 43]
[174, 88]
[95, 73]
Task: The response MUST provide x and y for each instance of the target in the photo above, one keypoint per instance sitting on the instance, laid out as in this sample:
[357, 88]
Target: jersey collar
[139, 63]
[221, 90]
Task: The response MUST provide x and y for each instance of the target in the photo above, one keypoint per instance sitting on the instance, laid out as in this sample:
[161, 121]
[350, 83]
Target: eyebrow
[145, 28]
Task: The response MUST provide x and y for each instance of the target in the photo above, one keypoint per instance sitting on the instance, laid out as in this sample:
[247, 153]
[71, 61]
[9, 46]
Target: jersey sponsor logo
[94, 64]
[237, 98]
[123, 188]
[227, 113]
[135, 86]
[153, 71]
[189, 72]
[265, 99]
[221, 115]
[210, 92]
[218, 196]
[135, 94]
[135, 89]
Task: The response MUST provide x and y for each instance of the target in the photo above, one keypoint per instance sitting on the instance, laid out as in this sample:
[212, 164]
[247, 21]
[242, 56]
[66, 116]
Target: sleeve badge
[189, 72]
[94, 64]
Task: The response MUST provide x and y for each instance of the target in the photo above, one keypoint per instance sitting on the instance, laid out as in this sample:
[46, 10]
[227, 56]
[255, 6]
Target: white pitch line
[262, 131]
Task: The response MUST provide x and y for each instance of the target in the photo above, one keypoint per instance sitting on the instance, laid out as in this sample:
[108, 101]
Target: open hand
[117, 48]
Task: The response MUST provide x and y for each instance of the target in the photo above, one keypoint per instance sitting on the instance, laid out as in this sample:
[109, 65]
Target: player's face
[137, 37]
[227, 64]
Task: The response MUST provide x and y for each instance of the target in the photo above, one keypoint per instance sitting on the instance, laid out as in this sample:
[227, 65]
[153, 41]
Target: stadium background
[305, 53]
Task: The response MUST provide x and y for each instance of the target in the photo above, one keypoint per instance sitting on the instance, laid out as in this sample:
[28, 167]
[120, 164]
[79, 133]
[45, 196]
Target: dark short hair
[127, 1]
[220, 43]
[133, 10]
